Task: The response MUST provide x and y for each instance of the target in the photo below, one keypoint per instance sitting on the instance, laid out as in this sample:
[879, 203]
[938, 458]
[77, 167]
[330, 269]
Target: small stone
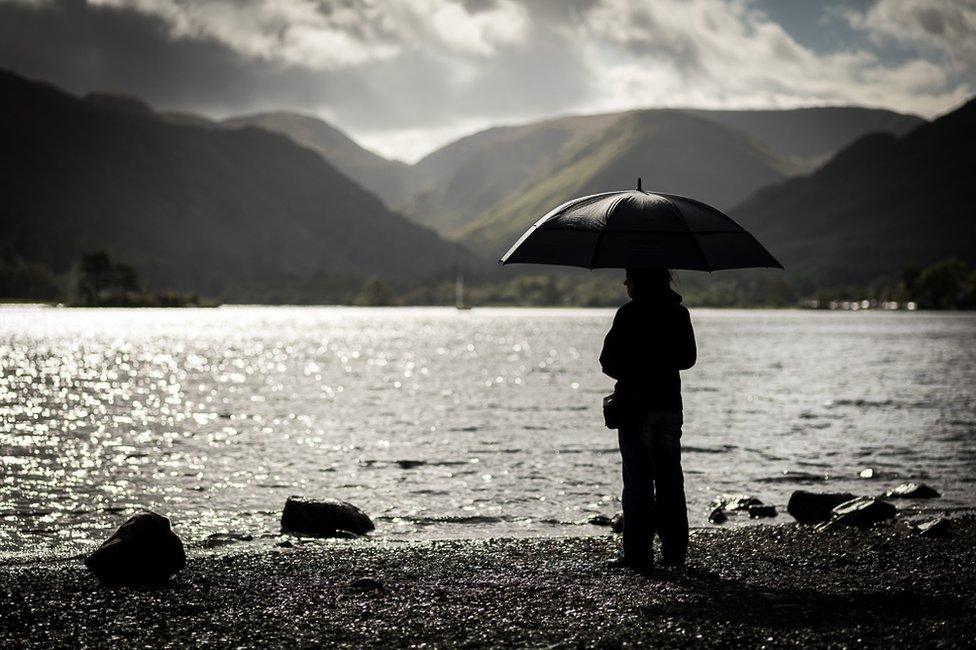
[600, 520]
[867, 472]
[757, 512]
[617, 523]
[718, 516]
[732, 502]
[862, 512]
[936, 528]
[144, 550]
[912, 491]
[324, 518]
[815, 507]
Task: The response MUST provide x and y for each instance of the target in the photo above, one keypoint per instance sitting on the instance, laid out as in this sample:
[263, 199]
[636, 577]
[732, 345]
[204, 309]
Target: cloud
[405, 75]
[926, 26]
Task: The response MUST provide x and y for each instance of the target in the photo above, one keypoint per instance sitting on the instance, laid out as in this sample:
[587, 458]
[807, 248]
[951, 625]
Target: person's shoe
[624, 563]
[673, 562]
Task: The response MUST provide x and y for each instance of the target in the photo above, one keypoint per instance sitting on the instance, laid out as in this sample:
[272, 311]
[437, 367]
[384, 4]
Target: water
[214, 417]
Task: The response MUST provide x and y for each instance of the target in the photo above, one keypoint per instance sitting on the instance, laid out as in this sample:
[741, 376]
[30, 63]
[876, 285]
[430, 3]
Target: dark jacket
[650, 341]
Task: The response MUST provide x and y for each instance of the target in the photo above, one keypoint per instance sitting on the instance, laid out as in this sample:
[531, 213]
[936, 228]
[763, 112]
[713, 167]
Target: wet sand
[778, 585]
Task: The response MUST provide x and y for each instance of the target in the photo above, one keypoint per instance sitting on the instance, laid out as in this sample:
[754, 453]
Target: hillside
[191, 208]
[391, 180]
[672, 150]
[487, 170]
[809, 136]
[470, 176]
[880, 205]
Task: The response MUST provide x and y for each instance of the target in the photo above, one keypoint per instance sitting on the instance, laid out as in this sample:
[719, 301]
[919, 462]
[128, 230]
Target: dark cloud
[391, 71]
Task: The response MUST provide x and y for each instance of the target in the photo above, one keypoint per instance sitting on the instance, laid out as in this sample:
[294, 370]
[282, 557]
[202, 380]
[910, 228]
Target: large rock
[144, 550]
[324, 518]
[815, 507]
[912, 491]
[862, 512]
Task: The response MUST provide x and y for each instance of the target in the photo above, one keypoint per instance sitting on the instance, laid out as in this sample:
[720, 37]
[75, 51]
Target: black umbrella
[638, 229]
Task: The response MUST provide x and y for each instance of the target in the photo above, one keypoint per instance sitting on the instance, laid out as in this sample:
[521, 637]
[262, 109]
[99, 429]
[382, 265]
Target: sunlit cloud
[405, 75]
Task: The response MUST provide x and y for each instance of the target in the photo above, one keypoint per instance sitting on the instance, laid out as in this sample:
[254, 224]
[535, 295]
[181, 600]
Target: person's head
[647, 282]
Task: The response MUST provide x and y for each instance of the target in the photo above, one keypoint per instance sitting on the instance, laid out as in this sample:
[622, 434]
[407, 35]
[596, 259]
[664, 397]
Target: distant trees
[23, 280]
[949, 284]
[98, 280]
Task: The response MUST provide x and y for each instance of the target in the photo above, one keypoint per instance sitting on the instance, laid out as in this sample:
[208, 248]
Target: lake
[446, 423]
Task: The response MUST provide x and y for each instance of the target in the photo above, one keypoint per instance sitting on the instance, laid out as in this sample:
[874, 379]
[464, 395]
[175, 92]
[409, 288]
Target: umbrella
[638, 229]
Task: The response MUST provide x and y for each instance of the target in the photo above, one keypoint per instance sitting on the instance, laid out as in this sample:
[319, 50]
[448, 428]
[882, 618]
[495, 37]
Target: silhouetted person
[650, 341]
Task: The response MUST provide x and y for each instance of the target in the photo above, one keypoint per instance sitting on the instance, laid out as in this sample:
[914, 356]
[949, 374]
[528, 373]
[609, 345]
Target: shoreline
[770, 584]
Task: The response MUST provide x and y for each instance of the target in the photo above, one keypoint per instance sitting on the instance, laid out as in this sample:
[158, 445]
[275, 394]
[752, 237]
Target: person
[650, 341]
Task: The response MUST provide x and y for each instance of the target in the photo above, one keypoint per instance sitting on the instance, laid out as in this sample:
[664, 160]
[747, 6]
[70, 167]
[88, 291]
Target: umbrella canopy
[638, 229]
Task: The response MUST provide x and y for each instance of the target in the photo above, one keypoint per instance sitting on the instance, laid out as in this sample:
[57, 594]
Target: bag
[611, 412]
[621, 410]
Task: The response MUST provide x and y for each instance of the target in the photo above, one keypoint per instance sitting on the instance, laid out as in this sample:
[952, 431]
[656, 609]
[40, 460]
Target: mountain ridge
[192, 208]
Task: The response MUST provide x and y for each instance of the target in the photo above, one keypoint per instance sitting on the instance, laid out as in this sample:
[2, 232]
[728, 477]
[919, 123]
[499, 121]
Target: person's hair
[650, 281]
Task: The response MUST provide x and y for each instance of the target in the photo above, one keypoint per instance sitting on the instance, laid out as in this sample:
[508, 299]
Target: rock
[756, 512]
[731, 502]
[617, 523]
[324, 518]
[600, 520]
[365, 584]
[912, 491]
[815, 507]
[936, 528]
[718, 516]
[144, 550]
[410, 464]
[862, 512]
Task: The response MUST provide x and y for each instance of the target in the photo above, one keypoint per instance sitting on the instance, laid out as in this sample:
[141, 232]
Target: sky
[403, 77]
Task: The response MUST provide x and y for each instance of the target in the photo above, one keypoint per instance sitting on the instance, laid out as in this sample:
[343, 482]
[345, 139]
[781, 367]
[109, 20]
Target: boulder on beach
[717, 515]
[324, 518]
[912, 491]
[862, 512]
[935, 528]
[758, 512]
[815, 507]
[144, 550]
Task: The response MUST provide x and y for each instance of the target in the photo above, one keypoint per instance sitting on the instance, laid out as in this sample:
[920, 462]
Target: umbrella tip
[639, 188]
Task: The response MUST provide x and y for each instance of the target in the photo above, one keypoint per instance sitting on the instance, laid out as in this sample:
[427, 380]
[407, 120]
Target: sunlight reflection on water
[442, 423]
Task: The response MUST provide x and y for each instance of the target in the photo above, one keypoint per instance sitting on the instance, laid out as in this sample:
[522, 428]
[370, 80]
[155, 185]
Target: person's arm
[613, 357]
[685, 349]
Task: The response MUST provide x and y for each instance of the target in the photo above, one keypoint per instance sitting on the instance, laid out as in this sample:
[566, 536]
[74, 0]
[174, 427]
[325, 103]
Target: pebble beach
[780, 585]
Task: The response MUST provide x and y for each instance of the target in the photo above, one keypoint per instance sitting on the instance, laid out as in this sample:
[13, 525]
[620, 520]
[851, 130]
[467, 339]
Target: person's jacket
[650, 341]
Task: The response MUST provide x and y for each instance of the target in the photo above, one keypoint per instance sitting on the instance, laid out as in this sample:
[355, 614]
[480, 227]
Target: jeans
[654, 493]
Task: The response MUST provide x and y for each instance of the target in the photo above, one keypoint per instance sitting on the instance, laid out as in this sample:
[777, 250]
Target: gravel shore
[779, 585]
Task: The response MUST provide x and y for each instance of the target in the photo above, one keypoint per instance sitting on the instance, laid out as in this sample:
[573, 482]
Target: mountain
[673, 152]
[190, 207]
[809, 136]
[486, 171]
[470, 176]
[882, 204]
[391, 180]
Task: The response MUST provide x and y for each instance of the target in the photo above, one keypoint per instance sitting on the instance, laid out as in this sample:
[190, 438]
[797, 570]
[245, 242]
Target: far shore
[766, 585]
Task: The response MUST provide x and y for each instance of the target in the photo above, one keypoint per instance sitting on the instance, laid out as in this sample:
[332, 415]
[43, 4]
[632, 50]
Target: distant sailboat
[459, 293]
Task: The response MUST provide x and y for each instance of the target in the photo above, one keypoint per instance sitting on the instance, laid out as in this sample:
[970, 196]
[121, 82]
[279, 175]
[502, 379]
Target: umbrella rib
[606, 222]
[694, 236]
